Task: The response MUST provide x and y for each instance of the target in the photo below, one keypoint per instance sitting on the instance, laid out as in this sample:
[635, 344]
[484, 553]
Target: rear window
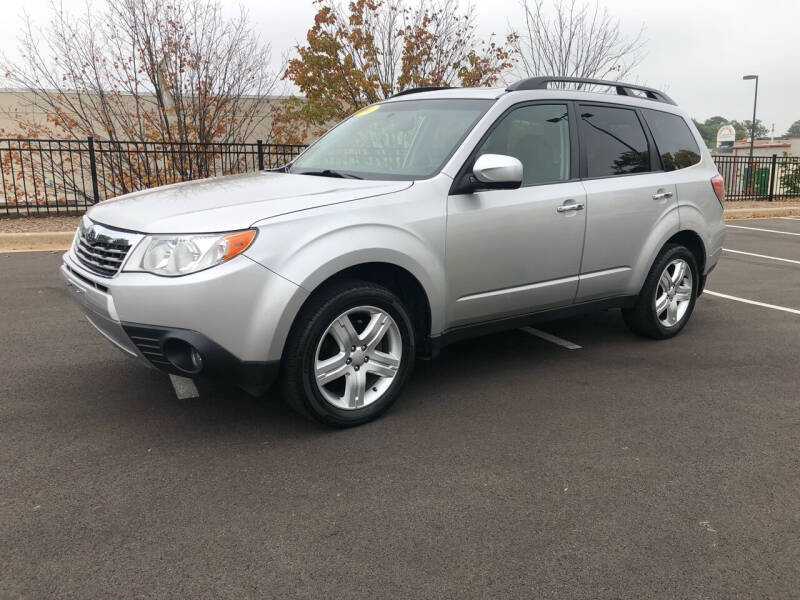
[673, 139]
[613, 140]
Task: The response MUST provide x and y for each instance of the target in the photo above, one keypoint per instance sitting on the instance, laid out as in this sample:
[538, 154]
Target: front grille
[100, 249]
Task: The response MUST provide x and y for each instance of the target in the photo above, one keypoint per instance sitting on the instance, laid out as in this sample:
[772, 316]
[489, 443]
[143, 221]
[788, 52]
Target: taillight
[718, 183]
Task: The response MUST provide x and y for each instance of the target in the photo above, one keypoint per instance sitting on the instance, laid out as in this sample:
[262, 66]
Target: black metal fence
[65, 177]
[766, 178]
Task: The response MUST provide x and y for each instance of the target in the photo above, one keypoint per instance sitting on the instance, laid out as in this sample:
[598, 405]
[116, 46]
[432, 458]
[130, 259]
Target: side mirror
[497, 172]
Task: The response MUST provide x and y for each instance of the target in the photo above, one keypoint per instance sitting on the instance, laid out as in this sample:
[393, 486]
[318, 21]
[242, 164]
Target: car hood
[231, 202]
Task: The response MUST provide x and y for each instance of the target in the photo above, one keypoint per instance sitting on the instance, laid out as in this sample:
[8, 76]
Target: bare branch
[575, 39]
[145, 70]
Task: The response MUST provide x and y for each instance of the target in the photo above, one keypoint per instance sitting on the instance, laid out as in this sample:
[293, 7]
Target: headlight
[174, 255]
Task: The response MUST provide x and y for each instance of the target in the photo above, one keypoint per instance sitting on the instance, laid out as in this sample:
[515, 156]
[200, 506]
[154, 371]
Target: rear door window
[673, 138]
[613, 140]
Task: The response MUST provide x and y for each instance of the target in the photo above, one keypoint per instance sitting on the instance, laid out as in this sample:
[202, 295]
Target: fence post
[772, 173]
[260, 155]
[93, 169]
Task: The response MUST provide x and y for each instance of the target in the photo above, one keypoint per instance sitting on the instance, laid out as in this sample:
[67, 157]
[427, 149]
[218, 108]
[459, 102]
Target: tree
[794, 130]
[761, 130]
[708, 133]
[144, 70]
[717, 121]
[371, 49]
[578, 40]
[790, 179]
[709, 128]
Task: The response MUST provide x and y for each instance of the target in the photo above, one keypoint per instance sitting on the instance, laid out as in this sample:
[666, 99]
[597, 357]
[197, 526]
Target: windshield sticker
[366, 111]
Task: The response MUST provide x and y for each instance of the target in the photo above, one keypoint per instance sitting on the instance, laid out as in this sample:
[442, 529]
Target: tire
[362, 357]
[663, 321]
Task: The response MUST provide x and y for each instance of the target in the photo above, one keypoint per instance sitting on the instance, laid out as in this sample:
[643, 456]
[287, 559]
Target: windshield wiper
[330, 173]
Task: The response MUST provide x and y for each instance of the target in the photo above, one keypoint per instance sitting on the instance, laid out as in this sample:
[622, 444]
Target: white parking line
[759, 229]
[796, 262]
[790, 218]
[184, 387]
[551, 338]
[746, 301]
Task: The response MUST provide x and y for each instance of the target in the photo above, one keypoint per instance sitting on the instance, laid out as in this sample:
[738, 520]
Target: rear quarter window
[673, 138]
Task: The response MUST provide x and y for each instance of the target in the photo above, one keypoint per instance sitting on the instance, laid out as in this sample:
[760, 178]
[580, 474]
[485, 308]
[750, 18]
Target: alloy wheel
[673, 293]
[358, 357]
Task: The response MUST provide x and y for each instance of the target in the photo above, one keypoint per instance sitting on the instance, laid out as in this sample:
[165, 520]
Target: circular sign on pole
[726, 133]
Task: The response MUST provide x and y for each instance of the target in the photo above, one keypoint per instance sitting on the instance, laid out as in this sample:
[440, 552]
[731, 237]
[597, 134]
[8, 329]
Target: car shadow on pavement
[476, 368]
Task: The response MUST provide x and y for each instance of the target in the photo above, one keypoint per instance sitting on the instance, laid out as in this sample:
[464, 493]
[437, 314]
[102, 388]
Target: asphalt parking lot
[513, 466]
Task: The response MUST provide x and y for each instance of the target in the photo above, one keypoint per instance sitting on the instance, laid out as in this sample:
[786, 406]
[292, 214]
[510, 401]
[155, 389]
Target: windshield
[410, 139]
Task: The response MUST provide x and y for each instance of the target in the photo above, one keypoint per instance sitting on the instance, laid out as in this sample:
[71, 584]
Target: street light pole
[753, 122]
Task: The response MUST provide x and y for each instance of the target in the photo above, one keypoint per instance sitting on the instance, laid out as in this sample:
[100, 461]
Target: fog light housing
[183, 356]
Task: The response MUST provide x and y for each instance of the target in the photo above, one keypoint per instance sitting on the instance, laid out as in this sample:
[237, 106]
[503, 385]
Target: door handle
[662, 195]
[570, 207]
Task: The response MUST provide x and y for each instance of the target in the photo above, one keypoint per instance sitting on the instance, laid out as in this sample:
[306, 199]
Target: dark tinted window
[614, 141]
[674, 140]
[538, 135]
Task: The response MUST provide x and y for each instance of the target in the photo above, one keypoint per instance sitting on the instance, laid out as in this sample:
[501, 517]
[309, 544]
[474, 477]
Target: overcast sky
[696, 50]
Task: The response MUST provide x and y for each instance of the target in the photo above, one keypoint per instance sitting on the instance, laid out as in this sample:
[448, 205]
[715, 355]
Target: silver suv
[435, 215]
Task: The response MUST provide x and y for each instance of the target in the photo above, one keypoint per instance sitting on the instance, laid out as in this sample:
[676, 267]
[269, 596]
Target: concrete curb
[31, 242]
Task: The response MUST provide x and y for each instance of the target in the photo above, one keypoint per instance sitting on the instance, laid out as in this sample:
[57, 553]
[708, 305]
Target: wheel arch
[400, 281]
[694, 243]
[692, 240]
[685, 237]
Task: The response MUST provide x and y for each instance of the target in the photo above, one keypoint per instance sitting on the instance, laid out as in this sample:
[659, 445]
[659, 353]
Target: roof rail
[623, 89]
[417, 90]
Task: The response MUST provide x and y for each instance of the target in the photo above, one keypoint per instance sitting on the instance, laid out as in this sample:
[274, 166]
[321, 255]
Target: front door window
[537, 135]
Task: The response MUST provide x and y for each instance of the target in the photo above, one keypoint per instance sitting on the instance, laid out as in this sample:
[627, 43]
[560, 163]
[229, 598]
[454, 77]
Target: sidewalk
[35, 241]
[765, 209]
[27, 234]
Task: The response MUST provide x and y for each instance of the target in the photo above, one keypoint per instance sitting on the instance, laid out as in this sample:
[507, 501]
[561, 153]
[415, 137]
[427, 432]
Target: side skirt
[435, 344]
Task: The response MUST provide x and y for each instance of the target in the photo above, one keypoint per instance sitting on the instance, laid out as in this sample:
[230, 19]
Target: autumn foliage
[371, 49]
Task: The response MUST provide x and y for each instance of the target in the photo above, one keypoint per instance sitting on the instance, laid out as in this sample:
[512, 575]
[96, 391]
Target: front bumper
[166, 349]
[236, 316]
[98, 307]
